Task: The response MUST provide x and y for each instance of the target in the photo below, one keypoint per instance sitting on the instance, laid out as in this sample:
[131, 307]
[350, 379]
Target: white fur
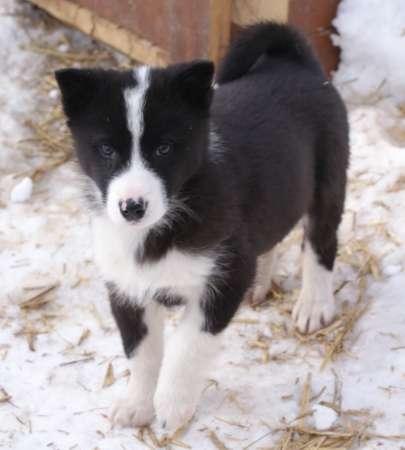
[135, 408]
[263, 278]
[186, 361]
[189, 351]
[135, 100]
[215, 147]
[315, 306]
[114, 251]
[138, 180]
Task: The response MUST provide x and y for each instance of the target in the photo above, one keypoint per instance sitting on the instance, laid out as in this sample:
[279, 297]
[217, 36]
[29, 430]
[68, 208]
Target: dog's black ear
[194, 81]
[77, 87]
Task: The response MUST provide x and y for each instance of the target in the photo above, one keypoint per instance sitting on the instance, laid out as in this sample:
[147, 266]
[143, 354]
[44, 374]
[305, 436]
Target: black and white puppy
[191, 187]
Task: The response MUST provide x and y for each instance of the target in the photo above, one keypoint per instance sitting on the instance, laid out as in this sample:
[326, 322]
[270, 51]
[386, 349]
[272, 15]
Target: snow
[324, 417]
[372, 38]
[22, 191]
[57, 396]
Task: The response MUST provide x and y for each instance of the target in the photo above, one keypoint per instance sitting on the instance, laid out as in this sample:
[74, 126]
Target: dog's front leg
[141, 330]
[190, 351]
[188, 355]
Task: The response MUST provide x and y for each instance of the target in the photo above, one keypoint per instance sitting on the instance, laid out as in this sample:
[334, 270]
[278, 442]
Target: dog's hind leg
[315, 307]
[263, 278]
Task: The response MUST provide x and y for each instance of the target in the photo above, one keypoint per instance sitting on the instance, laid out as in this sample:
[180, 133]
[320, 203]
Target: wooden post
[219, 28]
[245, 12]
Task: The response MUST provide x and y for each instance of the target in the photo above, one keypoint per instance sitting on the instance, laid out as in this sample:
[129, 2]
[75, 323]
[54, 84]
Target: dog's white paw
[132, 412]
[174, 407]
[313, 311]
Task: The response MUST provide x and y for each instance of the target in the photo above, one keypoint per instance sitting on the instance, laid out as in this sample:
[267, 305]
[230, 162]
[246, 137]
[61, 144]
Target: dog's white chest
[114, 253]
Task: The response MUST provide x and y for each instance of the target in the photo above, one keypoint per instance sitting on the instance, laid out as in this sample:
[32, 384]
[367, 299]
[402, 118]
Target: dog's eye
[106, 151]
[163, 150]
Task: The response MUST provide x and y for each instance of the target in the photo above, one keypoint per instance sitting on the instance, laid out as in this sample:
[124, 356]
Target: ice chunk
[22, 191]
[324, 417]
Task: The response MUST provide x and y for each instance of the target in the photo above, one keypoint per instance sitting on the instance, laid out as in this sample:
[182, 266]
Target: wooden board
[160, 32]
[170, 31]
[245, 12]
[89, 22]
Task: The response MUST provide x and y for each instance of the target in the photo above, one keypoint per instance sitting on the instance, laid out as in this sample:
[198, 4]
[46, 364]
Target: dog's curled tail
[265, 37]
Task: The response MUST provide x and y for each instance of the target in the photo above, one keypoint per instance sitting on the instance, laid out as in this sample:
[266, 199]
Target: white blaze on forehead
[135, 101]
[137, 180]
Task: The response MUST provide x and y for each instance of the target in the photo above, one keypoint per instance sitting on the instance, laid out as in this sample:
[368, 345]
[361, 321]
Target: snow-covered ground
[61, 363]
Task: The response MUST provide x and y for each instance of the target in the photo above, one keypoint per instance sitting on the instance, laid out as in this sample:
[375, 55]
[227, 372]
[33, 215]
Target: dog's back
[283, 125]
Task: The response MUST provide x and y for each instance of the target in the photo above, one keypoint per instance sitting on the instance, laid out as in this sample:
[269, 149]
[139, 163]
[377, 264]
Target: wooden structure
[164, 31]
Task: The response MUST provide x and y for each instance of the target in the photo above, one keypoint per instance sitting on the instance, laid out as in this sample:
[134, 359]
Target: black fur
[282, 154]
[168, 299]
[129, 318]
[93, 102]
[274, 39]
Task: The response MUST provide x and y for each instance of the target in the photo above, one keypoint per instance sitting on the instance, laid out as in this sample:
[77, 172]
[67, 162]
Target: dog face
[139, 135]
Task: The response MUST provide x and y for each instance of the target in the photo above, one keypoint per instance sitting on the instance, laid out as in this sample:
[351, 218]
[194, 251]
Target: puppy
[190, 188]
